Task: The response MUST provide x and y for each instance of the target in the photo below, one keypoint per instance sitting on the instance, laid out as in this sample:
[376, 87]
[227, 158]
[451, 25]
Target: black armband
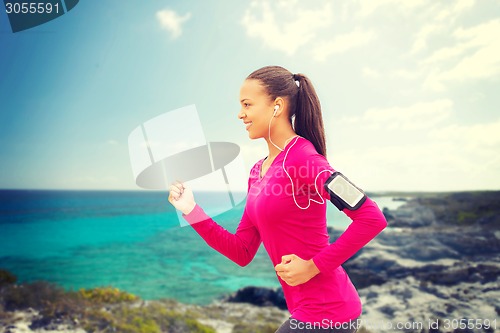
[343, 193]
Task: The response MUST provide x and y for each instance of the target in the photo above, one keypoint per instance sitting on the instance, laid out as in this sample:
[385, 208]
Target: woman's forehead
[252, 89]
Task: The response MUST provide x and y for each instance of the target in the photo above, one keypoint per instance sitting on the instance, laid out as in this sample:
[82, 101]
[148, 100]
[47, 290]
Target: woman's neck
[280, 139]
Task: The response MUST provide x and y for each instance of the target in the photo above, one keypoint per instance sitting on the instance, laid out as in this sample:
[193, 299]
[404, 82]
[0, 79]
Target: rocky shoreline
[433, 266]
[436, 265]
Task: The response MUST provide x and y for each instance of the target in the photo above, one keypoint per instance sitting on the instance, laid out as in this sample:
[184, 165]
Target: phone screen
[345, 190]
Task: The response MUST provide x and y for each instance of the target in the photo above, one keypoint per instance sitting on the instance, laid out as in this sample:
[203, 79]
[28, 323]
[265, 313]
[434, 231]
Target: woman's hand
[181, 197]
[295, 270]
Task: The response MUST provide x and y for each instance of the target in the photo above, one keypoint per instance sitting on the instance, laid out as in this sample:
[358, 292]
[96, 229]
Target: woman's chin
[253, 136]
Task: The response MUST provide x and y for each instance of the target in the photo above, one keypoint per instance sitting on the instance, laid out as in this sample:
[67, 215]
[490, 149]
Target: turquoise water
[130, 240]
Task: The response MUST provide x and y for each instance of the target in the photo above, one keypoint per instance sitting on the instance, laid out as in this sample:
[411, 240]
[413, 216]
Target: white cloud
[370, 72]
[368, 7]
[421, 166]
[453, 9]
[470, 152]
[481, 62]
[406, 74]
[342, 43]
[284, 26]
[438, 155]
[418, 116]
[172, 22]
[475, 137]
[441, 48]
[442, 16]
[423, 35]
[444, 54]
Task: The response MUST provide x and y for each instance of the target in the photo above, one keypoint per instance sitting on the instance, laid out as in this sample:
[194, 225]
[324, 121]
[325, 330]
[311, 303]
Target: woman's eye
[246, 105]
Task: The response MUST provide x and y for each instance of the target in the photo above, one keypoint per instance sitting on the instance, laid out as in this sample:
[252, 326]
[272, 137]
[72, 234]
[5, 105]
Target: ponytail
[308, 121]
[305, 108]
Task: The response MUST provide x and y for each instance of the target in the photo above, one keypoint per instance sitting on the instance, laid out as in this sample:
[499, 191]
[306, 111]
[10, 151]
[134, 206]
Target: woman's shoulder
[300, 148]
[302, 153]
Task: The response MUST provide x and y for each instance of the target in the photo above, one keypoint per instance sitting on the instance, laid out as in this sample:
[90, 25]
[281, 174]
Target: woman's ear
[279, 106]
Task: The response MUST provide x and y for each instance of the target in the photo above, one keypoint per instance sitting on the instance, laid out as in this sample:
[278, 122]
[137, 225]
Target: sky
[409, 89]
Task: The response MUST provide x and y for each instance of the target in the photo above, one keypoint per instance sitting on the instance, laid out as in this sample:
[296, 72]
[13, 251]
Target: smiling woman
[260, 122]
[286, 206]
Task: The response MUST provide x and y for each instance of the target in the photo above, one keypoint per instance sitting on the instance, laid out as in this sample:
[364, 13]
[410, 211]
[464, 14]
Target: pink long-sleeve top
[272, 216]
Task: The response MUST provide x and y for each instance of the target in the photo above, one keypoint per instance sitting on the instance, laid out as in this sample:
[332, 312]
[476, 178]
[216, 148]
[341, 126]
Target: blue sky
[409, 89]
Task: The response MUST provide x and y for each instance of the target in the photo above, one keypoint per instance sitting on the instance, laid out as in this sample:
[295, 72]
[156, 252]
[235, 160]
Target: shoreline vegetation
[438, 261]
[44, 307]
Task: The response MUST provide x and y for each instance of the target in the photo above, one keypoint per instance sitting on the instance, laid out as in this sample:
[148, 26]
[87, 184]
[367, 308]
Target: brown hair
[303, 102]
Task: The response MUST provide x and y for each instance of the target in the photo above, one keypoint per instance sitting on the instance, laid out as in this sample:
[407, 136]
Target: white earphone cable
[289, 177]
[269, 131]
[315, 180]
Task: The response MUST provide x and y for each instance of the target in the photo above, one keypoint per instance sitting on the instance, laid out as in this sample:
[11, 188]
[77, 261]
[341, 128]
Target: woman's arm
[240, 247]
[367, 222]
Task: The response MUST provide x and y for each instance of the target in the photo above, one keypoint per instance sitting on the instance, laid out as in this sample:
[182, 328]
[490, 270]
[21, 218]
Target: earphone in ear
[276, 108]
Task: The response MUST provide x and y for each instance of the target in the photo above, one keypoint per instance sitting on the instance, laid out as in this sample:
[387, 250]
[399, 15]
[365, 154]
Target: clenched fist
[295, 270]
[181, 197]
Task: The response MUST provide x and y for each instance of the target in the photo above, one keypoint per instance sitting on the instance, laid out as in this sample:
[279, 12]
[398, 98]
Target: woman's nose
[241, 114]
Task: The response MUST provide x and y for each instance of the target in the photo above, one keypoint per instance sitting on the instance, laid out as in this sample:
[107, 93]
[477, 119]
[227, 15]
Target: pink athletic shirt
[272, 217]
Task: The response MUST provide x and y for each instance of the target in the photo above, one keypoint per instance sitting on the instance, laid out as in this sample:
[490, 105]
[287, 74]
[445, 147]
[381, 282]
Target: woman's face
[256, 108]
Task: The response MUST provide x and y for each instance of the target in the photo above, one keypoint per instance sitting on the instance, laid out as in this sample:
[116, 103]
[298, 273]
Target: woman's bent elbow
[382, 223]
[243, 262]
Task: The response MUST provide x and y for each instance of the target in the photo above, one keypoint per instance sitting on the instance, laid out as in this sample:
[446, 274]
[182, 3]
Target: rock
[465, 208]
[259, 296]
[450, 308]
[410, 215]
[470, 242]
[404, 294]
[388, 215]
[387, 309]
[6, 278]
[371, 294]
[362, 278]
[40, 323]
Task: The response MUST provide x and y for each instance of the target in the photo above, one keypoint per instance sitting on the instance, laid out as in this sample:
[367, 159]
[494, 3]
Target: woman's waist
[335, 287]
[319, 301]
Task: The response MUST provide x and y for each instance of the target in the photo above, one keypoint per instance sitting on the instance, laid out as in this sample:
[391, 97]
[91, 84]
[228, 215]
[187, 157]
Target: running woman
[286, 206]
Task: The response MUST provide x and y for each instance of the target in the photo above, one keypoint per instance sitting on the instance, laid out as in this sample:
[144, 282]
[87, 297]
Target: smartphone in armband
[343, 193]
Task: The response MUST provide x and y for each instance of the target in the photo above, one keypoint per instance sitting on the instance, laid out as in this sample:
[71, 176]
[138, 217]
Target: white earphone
[276, 108]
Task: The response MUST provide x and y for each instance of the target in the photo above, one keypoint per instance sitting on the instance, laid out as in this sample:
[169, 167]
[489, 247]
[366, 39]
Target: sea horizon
[131, 240]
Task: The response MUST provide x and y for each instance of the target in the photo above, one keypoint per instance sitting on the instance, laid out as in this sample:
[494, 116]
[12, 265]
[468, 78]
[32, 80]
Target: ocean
[131, 240]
